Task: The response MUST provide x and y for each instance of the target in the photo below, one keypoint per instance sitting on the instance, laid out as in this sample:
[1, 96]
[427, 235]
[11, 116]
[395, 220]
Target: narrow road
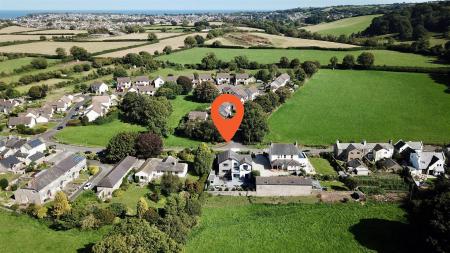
[104, 170]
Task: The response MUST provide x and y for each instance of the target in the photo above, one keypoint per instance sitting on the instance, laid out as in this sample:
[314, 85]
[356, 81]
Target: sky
[178, 4]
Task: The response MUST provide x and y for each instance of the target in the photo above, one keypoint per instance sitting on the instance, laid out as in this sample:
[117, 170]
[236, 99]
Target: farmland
[8, 66]
[266, 56]
[371, 105]
[48, 47]
[15, 29]
[263, 39]
[345, 26]
[137, 36]
[24, 234]
[175, 43]
[55, 31]
[245, 227]
[14, 37]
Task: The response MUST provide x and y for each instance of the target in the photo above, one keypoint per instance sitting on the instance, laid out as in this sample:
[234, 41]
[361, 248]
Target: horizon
[185, 6]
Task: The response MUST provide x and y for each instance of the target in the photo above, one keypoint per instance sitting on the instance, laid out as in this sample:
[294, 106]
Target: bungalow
[234, 166]
[428, 162]
[244, 79]
[142, 81]
[104, 101]
[68, 99]
[223, 78]
[154, 168]
[58, 106]
[172, 79]
[288, 157]
[114, 178]
[147, 90]
[389, 165]
[206, 77]
[41, 115]
[33, 146]
[357, 167]
[94, 111]
[198, 115]
[26, 121]
[283, 186]
[12, 164]
[123, 83]
[47, 183]
[158, 82]
[280, 81]
[99, 88]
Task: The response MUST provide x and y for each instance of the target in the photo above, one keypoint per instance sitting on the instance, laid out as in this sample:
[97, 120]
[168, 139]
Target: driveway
[104, 170]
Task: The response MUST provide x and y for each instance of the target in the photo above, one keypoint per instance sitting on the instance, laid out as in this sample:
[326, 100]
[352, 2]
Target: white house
[154, 168]
[47, 183]
[158, 82]
[371, 151]
[26, 121]
[405, 146]
[205, 77]
[428, 162]
[234, 166]
[114, 178]
[94, 111]
[99, 88]
[357, 167]
[33, 146]
[280, 81]
[382, 151]
[223, 78]
[58, 106]
[244, 79]
[123, 83]
[288, 157]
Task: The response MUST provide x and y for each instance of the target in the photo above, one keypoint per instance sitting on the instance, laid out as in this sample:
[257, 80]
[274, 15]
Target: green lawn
[233, 225]
[9, 66]
[266, 56]
[345, 26]
[322, 166]
[94, 135]
[24, 234]
[371, 105]
[99, 135]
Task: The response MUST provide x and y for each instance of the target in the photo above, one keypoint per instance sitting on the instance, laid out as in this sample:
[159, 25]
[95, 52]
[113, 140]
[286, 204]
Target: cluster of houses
[7, 105]
[234, 170]
[16, 153]
[357, 155]
[33, 116]
[99, 107]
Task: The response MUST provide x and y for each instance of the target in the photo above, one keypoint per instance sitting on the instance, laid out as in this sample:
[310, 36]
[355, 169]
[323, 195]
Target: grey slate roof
[283, 180]
[229, 154]
[123, 80]
[118, 172]
[169, 164]
[284, 149]
[242, 76]
[48, 176]
[36, 156]
[35, 143]
[9, 161]
[223, 76]
[197, 115]
[14, 121]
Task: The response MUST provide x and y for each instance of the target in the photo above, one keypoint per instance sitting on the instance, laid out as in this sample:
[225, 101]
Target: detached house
[154, 168]
[47, 183]
[280, 81]
[99, 88]
[99, 107]
[405, 148]
[142, 80]
[428, 162]
[234, 166]
[26, 121]
[223, 78]
[288, 157]
[357, 167]
[7, 105]
[114, 178]
[198, 115]
[244, 79]
[371, 151]
[58, 106]
[123, 83]
[158, 82]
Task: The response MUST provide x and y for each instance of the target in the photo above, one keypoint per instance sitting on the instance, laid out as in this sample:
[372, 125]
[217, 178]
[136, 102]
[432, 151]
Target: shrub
[117, 193]
[118, 209]
[4, 183]
[93, 170]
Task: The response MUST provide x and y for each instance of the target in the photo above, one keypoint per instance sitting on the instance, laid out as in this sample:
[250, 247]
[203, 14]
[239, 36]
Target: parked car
[60, 127]
[87, 186]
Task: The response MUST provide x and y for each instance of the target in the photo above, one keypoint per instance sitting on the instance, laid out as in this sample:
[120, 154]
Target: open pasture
[232, 224]
[56, 31]
[49, 47]
[8, 66]
[345, 26]
[175, 43]
[17, 37]
[375, 106]
[267, 56]
[15, 29]
[137, 36]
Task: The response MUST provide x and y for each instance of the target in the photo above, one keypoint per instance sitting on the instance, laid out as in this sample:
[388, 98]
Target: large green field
[9, 66]
[231, 224]
[345, 26]
[24, 234]
[266, 56]
[99, 135]
[370, 105]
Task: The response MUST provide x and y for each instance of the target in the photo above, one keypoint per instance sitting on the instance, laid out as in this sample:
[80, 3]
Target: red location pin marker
[227, 127]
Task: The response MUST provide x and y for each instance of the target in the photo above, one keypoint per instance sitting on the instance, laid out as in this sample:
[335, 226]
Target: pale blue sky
[177, 4]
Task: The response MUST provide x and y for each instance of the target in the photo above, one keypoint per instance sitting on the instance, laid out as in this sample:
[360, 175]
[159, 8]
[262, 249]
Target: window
[225, 164]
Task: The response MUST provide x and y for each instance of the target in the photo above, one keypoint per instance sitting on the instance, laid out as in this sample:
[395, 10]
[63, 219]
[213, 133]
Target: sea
[11, 14]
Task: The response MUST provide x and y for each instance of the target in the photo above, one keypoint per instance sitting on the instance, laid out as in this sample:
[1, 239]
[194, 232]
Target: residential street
[104, 170]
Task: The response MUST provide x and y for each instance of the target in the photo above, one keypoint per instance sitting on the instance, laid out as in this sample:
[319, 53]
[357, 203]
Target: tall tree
[205, 92]
[254, 126]
[366, 59]
[348, 62]
[333, 62]
[148, 145]
[79, 53]
[141, 207]
[61, 205]
[152, 37]
[120, 146]
[203, 160]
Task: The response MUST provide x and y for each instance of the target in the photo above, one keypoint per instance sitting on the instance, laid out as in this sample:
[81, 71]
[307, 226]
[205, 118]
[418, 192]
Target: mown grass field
[370, 105]
[322, 166]
[345, 26]
[24, 234]
[382, 57]
[231, 224]
[8, 66]
[99, 135]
